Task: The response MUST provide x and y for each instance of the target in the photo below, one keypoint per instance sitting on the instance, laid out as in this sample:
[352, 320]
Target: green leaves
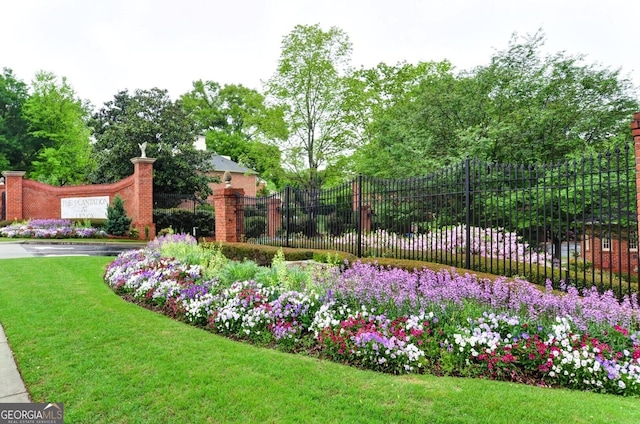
[309, 86]
[149, 116]
[57, 119]
[237, 122]
[523, 107]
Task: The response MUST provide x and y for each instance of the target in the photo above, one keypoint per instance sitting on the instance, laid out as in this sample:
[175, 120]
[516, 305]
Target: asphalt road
[30, 249]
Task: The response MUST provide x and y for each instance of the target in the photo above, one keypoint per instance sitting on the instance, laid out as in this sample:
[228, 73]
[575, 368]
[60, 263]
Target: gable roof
[221, 164]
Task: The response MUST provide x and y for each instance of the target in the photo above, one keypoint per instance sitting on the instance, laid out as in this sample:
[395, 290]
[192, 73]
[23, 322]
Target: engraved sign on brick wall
[84, 207]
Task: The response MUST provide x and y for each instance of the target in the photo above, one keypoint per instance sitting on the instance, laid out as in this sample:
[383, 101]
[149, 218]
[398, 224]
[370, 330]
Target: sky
[105, 46]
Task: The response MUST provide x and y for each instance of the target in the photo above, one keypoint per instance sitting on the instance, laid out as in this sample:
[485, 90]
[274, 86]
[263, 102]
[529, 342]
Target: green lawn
[110, 361]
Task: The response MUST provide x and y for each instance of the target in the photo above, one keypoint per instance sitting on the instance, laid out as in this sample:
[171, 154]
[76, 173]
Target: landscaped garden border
[396, 321]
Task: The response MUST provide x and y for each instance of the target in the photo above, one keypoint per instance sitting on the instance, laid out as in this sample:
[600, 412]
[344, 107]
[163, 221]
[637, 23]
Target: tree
[149, 116]
[17, 147]
[57, 120]
[392, 143]
[117, 221]
[540, 109]
[237, 122]
[524, 107]
[310, 85]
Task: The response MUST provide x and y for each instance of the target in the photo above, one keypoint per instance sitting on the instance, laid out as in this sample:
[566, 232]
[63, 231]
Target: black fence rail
[184, 213]
[3, 206]
[572, 223]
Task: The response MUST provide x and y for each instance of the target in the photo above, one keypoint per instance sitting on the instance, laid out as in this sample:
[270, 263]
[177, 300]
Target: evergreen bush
[117, 221]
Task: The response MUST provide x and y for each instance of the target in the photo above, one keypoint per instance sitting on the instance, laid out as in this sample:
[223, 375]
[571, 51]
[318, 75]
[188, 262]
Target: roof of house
[221, 164]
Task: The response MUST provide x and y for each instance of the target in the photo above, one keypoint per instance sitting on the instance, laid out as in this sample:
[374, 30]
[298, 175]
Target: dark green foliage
[236, 122]
[117, 221]
[337, 224]
[255, 226]
[17, 147]
[184, 220]
[299, 224]
[149, 116]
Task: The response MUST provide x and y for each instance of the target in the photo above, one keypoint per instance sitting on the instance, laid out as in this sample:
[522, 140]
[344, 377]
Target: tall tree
[310, 85]
[17, 147]
[151, 117]
[542, 108]
[391, 141]
[237, 122]
[57, 120]
[524, 107]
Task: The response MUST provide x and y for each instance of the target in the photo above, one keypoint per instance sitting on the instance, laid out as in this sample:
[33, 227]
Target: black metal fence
[3, 206]
[184, 213]
[573, 222]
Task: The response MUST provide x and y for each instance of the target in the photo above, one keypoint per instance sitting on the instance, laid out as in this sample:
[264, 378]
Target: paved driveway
[31, 248]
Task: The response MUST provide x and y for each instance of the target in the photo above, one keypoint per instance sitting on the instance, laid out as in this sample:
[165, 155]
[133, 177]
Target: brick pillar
[141, 210]
[229, 214]
[274, 219]
[356, 202]
[365, 218]
[635, 131]
[13, 187]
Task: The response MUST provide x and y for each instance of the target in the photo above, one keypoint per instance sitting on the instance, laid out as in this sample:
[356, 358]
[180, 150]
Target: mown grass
[111, 361]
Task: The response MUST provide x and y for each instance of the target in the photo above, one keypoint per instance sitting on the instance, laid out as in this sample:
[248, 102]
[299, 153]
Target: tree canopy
[523, 107]
[310, 85]
[149, 116]
[16, 146]
[57, 120]
[236, 122]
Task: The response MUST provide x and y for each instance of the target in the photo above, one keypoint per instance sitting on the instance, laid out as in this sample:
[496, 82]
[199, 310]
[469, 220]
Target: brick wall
[42, 201]
[28, 199]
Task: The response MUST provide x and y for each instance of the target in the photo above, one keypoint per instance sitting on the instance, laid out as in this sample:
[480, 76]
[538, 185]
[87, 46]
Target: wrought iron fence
[3, 206]
[184, 213]
[570, 223]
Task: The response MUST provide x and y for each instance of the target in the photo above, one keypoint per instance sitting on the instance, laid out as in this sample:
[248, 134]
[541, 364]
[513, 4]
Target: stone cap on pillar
[143, 160]
[13, 173]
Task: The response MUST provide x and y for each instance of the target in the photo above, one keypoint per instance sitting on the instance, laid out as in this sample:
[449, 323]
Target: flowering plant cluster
[49, 228]
[489, 242]
[395, 321]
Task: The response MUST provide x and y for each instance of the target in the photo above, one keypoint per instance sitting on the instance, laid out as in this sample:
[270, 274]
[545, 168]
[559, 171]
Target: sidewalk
[12, 388]
[11, 250]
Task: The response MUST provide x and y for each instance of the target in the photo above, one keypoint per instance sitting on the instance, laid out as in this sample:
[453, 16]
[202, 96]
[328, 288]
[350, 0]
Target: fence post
[142, 208]
[635, 131]
[287, 202]
[13, 189]
[467, 204]
[274, 220]
[226, 201]
[359, 212]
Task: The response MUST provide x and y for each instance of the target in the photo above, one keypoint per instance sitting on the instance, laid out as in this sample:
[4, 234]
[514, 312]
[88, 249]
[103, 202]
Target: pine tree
[117, 221]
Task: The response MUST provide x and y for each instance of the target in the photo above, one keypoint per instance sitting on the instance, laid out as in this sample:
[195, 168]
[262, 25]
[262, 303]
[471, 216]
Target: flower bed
[396, 321]
[50, 229]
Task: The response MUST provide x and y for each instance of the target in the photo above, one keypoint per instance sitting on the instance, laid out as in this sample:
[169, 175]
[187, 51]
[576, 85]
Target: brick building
[241, 177]
[610, 251]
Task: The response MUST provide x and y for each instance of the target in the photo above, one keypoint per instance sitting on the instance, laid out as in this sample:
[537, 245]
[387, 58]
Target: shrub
[184, 220]
[117, 221]
[255, 226]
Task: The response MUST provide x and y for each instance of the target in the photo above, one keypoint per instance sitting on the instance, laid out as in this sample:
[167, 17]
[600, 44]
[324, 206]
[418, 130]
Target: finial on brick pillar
[226, 177]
